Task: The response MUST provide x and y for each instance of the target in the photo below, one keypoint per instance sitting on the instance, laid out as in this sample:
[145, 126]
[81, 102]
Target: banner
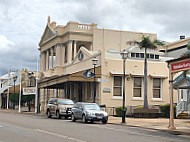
[29, 91]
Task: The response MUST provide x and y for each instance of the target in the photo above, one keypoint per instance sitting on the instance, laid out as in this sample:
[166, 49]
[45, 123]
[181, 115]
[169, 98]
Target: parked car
[59, 107]
[88, 112]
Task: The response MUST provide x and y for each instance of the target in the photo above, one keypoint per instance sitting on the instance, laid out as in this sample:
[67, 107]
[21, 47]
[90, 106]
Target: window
[137, 55]
[137, 88]
[152, 56]
[156, 88]
[117, 87]
[142, 55]
[132, 54]
[156, 56]
[148, 55]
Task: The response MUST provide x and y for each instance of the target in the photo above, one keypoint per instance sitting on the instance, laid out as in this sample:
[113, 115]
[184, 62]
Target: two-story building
[66, 54]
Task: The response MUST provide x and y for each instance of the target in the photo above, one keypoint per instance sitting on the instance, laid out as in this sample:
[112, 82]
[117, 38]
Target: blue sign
[88, 74]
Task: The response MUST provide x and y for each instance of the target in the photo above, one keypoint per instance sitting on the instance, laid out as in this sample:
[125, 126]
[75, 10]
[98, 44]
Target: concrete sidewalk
[182, 125]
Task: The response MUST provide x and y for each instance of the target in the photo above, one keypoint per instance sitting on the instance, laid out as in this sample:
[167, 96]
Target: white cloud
[5, 44]
[23, 22]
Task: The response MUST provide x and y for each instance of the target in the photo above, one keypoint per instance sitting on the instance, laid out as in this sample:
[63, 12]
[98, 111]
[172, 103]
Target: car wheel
[58, 115]
[84, 120]
[73, 118]
[104, 121]
[48, 114]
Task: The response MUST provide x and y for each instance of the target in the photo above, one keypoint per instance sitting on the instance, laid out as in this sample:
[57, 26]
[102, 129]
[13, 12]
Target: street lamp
[14, 80]
[30, 76]
[94, 62]
[124, 55]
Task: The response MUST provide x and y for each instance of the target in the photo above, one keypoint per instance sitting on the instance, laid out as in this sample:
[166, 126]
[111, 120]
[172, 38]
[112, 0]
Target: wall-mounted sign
[180, 66]
[106, 90]
[80, 56]
[29, 91]
[102, 80]
[88, 74]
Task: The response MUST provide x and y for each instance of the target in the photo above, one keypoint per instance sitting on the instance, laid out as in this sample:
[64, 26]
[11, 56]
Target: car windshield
[65, 102]
[91, 107]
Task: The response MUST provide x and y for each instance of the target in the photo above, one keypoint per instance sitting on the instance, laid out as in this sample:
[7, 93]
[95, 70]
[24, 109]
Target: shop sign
[106, 90]
[29, 90]
[88, 74]
[180, 66]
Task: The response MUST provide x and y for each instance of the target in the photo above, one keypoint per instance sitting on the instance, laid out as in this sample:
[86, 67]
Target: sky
[22, 22]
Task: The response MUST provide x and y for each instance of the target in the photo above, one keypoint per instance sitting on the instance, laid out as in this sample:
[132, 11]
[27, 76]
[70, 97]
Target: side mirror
[81, 108]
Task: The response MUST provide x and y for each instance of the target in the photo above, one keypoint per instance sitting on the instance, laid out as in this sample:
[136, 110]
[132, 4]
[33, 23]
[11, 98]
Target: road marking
[59, 135]
[0, 126]
[132, 133]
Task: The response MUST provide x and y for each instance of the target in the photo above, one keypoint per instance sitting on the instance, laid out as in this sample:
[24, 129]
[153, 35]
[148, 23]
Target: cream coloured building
[66, 54]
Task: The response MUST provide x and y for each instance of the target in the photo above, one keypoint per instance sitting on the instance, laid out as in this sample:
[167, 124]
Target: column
[42, 61]
[75, 48]
[58, 53]
[47, 59]
[51, 58]
[63, 55]
[69, 52]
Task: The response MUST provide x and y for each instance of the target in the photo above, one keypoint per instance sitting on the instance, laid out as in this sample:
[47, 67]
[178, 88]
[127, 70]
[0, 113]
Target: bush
[119, 111]
[165, 111]
[139, 107]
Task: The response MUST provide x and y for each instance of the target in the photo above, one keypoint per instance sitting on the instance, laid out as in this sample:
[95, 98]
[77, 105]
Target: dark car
[88, 112]
[59, 107]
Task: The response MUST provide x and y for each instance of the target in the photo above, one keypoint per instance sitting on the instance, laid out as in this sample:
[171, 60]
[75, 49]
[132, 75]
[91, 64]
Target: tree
[145, 44]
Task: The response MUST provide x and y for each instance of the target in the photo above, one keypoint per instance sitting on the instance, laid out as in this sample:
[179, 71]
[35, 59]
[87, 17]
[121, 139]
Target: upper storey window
[141, 55]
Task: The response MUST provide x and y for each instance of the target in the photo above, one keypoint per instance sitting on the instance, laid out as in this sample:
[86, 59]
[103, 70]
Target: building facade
[66, 54]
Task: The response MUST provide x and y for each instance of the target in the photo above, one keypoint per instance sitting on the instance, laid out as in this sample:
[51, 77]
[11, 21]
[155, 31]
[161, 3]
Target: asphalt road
[31, 128]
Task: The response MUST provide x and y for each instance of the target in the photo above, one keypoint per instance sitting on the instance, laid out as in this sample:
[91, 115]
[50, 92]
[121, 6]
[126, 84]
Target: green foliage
[138, 107]
[119, 111]
[27, 98]
[147, 43]
[14, 97]
[165, 110]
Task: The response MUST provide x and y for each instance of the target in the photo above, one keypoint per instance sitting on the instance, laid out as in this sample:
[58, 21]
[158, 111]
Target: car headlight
[63, 108]
[105, 114]
[90, 113]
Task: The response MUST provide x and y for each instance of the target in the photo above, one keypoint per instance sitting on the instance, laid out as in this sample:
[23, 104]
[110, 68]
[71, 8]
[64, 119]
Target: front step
[183, 115]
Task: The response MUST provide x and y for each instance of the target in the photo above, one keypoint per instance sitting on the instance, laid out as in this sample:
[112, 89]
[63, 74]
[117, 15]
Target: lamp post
[124, 55]
[94, 62]
[14, 80]
[30, 76]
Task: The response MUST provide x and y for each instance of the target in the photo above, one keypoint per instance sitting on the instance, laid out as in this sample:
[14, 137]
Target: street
[32, 128]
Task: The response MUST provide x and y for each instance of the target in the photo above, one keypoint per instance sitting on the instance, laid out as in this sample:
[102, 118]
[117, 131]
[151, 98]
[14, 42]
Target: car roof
[85, 103]
[59, 99]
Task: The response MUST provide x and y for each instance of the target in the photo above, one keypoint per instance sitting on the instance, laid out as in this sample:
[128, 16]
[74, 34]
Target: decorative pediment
[82, 54]
[48, 34]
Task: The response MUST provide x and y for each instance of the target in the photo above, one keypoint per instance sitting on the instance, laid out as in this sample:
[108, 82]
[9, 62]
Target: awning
[137, 75]
[158, 76]
[118, 73]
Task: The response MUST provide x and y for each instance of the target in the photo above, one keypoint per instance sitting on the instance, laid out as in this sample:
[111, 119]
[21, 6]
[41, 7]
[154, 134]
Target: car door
[49, 106]
[75, 110]
[80, 111]
[54, 108]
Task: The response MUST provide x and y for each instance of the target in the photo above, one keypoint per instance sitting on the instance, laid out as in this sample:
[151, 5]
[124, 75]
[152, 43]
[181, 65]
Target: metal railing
[181, 106]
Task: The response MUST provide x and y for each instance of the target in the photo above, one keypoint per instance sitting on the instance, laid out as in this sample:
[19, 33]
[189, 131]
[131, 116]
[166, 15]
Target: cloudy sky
[22, 22]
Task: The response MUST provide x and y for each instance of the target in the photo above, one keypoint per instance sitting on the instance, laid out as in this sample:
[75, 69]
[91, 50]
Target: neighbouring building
[66, 54]
[181, 83]
[10, 84]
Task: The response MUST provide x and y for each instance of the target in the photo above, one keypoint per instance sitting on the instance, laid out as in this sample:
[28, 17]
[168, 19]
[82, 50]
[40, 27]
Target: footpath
[161, 124]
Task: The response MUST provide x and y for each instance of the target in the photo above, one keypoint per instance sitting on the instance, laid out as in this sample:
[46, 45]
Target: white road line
[132, 133]
[59, 135]
[0, 127]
